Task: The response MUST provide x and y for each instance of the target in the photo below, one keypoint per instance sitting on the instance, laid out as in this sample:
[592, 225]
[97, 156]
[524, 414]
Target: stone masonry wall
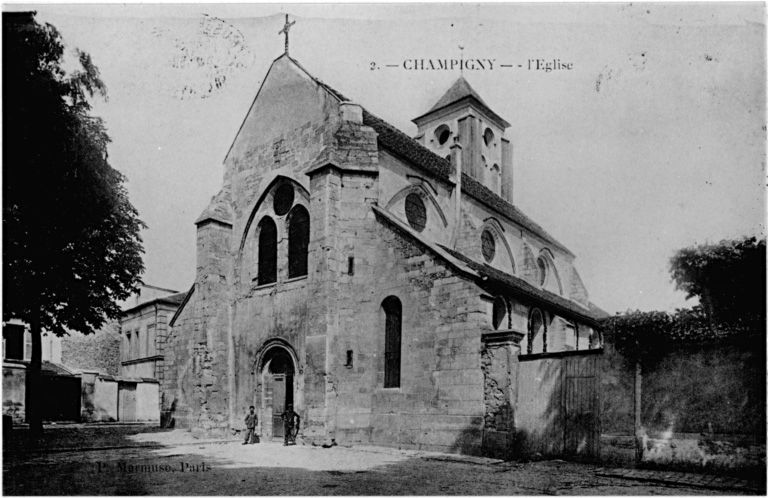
[439, 404]
[99, 351]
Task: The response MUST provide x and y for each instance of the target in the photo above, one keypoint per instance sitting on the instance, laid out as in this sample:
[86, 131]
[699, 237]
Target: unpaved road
[175, 466]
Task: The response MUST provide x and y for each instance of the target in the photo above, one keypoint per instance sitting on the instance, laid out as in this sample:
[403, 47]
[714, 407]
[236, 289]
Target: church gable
[289, 107]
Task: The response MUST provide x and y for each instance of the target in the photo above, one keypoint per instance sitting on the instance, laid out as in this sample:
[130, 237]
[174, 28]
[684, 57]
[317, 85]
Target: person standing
[250, 425]
[291, 422]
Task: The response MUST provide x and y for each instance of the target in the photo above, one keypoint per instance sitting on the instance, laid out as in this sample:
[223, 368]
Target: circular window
[442, 134]
[542, 270]
[499, 312]
[283, 199]
[415, 212]
[489, 245]
[488, 137]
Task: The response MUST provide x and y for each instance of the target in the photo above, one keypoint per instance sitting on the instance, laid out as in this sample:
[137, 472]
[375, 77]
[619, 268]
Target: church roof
[490, 277]
[405, 147]
[460, 91]
[400, 144]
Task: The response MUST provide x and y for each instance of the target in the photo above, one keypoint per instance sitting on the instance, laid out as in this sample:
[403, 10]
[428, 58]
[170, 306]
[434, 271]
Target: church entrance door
[278, 388]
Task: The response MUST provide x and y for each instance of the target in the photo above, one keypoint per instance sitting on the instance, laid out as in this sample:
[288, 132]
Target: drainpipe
[456, 170]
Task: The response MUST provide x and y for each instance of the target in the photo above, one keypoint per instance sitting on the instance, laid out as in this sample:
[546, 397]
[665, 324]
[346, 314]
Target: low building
[106, 376]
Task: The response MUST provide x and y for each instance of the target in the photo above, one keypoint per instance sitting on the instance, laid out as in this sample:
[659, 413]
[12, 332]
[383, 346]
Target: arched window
[283, 199]
[495, 176]
[298, 241]
[415, 211]
[488, 137]
[488, 245]
[442, 134]
[393, 329]
[267, 269]
[537, 332]
[542, 265]
[499, 312]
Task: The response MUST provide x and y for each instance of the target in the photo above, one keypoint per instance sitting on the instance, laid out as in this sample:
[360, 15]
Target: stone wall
[99, 398]
[14, 390]
[98, 351]
[439, 404]
[702, 406]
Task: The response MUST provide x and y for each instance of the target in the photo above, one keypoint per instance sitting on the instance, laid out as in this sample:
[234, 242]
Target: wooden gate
[558, 404]
[126, 401]
[61, 397]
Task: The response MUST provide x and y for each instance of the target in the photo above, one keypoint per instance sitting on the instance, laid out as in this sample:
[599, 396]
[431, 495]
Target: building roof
[172, 299]
[405, 147]
[51, 368]
[462, 91]
[182, 305]
[488, 277]
[520, 287]
[401, 145]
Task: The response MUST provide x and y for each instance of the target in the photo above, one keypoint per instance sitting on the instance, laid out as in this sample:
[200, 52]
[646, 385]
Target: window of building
[499, 312]
[415, 212]
[442, 134]
[537, 332]
[393, 311]
[542, 270]
[488, 243]
[267, 269]
[488, 137]
[298, 241]
[127, 347]
[495, 177]
[151, 340]
[283, 199]
[13, 341]
[137, 345]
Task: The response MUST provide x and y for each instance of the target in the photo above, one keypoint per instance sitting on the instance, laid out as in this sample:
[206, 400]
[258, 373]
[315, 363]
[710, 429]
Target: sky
[653, 141]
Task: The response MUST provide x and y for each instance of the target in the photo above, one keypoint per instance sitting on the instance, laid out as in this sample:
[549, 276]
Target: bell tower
[486, 153]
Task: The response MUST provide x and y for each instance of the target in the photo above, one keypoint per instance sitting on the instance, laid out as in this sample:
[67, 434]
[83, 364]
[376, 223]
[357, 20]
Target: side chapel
[381, 284]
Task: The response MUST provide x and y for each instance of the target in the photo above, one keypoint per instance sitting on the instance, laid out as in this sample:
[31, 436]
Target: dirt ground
[174, 463]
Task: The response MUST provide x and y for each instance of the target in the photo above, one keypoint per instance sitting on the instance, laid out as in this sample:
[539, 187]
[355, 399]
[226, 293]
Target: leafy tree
[727, 277]
[729, 280]
[72, 247]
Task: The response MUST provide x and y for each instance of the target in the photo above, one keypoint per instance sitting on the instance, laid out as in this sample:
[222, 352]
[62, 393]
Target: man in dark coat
[291, 423]
[250, 424]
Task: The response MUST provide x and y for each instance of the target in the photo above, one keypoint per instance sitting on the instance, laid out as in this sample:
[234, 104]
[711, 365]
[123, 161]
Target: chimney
[351, 112]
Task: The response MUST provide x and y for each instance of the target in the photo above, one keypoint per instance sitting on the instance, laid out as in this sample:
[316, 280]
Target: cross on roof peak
[285, 30]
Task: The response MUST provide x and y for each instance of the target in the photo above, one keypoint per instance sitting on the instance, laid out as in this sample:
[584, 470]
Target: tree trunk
[33, 394]
[638, 412]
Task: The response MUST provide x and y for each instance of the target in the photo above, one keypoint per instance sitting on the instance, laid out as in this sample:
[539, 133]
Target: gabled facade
[366, 277]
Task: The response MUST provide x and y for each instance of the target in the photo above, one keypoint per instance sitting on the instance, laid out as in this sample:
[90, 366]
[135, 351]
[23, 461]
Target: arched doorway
[277, 375]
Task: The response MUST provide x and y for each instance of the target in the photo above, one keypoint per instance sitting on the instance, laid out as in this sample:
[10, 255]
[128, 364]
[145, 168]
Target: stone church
[384, 285]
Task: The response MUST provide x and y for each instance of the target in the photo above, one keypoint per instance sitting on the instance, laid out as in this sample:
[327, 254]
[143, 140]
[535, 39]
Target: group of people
[291, 424]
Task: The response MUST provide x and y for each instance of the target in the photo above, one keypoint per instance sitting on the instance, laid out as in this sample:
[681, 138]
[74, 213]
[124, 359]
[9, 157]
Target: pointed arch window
[298, 241]
[537, 332]
[267, 269]
[393, 311]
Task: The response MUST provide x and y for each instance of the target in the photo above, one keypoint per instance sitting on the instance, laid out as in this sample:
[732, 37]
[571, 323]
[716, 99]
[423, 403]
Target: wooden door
[581, 406]
[127, 402]
[278, 404]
